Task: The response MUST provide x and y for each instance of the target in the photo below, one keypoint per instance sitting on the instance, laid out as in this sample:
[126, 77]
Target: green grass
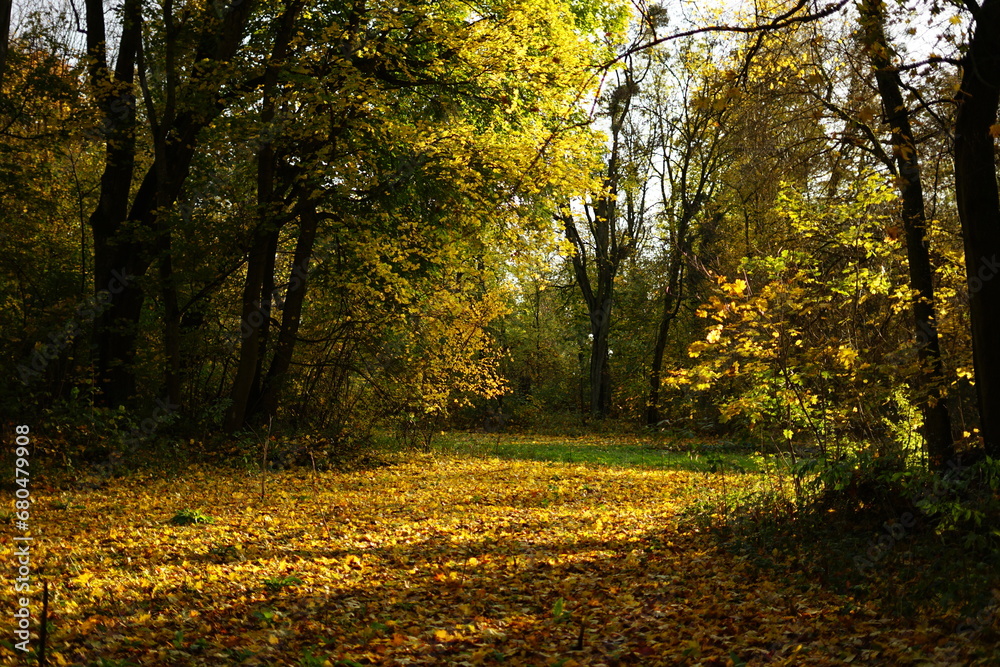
[606, 450]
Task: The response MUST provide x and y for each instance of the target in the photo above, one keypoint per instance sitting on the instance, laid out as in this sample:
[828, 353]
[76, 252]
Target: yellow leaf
[83, 578]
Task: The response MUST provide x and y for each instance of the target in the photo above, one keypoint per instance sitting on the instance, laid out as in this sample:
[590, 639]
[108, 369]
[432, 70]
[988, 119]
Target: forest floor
[459, 558]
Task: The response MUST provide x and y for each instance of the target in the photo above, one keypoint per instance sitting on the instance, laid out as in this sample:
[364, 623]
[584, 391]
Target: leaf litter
[439, 560]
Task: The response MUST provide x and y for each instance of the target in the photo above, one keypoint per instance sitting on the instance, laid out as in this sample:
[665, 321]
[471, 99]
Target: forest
[474, 332]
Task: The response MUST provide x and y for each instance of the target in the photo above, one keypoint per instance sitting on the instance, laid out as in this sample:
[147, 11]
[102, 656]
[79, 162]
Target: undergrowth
[909, 539]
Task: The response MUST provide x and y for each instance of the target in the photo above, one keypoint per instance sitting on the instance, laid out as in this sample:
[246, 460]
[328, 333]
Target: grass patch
[189, 517]
[620, 451]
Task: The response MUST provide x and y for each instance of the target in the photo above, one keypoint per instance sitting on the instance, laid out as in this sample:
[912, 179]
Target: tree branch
[929, 61]
[782, 21]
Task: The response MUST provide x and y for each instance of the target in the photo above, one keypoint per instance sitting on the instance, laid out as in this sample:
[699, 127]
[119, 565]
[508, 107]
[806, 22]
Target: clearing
[442, 559]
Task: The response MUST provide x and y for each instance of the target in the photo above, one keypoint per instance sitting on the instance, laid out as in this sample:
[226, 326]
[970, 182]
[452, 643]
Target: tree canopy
[353, 216]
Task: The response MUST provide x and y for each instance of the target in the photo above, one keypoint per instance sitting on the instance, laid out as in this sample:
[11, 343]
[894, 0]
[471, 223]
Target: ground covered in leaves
[439, 560]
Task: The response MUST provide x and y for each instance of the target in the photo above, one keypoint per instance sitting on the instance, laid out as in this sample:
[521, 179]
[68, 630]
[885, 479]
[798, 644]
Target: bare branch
[782, 21]
[926, 106]
[875, 147]
[930, 61]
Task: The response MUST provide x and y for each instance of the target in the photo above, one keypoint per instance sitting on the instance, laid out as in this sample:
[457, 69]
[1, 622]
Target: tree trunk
[120, 254]
[671, 302]
[115, 257]
[978, 201]
[930, 384]
[267, 303]
[258, 287]
[252, 315]
[168, 284]
[611, 246]
[291, 314]
[171, 325]
[600, 372]
[599, 305]
[5, 10]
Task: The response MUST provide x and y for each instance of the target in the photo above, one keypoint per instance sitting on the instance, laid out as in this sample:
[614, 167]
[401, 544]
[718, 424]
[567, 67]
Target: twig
[263, 468]
[313, 459]
[263, 473]
[579, 639]
[43, 632]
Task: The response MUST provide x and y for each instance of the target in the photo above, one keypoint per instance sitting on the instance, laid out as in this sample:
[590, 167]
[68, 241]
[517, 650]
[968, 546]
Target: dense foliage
[294, 234]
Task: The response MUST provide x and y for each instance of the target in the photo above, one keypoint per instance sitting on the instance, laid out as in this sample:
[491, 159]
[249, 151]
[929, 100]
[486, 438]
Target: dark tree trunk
[599, 303]
[671, 303]
[168, 284]
[612, 245]
[258, 288]
[600, 372]
[979, 208]
[171, 325]
[120, 253]
[252, 315]
[267, 307]
[291, 314]
[930, 384]
[5, 10]
[672, 295]
[115, 256]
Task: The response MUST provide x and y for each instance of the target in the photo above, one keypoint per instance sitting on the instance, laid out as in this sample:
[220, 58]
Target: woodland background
[647, 315]
[777, 224]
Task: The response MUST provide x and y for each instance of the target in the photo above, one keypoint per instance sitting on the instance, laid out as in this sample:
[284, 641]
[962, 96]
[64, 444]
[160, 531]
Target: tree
[689, 141]
[259, 285]
[611, 238]
[45, 175]
[930, 384]
[5, 10]
[413, 121]
[803, 346]
[978, 201]
[129, 223]
[742, 130]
